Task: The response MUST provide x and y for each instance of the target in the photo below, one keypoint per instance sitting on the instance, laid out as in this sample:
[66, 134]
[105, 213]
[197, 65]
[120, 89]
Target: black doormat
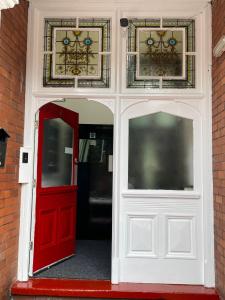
[92, 261]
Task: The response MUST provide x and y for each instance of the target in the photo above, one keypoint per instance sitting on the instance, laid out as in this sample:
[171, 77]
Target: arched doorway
[75, 153]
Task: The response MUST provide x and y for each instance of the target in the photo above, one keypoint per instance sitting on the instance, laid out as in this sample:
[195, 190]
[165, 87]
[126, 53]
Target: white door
[161, 197]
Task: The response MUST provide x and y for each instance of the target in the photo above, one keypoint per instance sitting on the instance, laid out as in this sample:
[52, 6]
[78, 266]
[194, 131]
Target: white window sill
[161, 194]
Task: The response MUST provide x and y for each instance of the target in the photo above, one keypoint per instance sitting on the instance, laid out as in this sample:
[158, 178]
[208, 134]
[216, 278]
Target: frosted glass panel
[160, 152]
[57, 153]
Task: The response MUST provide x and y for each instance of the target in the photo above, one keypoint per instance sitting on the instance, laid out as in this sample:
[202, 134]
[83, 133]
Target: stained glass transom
[161, 53]
[77, 53]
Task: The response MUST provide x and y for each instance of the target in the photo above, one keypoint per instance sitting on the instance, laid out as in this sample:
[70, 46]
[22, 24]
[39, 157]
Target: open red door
[56, 185]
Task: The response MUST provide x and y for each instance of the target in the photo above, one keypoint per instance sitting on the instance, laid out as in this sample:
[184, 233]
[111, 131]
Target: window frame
[38, 54]
[198, 89]
[176, 108]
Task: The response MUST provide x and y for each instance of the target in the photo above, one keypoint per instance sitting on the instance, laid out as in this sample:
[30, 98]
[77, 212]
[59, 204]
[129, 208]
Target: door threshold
[104, 289]
[53, 264]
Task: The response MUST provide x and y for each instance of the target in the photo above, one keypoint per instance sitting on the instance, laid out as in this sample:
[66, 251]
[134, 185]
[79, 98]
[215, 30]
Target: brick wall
[218, 73]
[13, 35]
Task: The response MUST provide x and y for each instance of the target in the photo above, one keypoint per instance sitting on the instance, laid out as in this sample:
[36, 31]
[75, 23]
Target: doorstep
[103, 289]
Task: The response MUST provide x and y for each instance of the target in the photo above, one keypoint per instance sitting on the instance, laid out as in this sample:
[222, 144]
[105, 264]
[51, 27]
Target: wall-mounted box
[25, 174]
[3, 146]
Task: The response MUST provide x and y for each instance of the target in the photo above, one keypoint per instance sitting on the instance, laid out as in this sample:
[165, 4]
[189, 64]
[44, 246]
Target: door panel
[161, 212]
[47, 228]
[66, 217]
[56, 200]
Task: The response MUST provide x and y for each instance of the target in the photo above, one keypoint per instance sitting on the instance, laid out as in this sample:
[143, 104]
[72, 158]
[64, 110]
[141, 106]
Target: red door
[56, 185]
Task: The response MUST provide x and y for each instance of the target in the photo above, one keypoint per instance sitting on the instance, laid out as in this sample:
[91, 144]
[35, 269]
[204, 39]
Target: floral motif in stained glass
[77, 53]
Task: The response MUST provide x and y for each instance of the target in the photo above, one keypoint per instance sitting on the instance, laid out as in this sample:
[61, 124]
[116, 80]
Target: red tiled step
[104, 289]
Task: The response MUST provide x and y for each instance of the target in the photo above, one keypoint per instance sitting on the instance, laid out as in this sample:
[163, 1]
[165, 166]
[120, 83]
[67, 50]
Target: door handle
[75, 170]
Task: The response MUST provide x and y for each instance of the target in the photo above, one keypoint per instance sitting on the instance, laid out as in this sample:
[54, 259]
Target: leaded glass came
[161, 53]
[77, 53]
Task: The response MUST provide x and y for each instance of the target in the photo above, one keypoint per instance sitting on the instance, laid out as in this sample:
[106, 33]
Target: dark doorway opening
[94, 218]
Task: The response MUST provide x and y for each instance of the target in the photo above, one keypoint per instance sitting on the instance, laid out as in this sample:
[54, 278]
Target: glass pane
[189, 25]
[160, 53]
[132, 81]
[160, 60]
[57, 153]
[103, 25]
[47, 76]
[160, 152]
[73, 49]
[190, 76]
[132, 28]
[77, 53]
[102, 82]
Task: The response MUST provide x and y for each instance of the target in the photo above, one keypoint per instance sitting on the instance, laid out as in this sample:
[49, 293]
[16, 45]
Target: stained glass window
[161, 53]
[77, 53]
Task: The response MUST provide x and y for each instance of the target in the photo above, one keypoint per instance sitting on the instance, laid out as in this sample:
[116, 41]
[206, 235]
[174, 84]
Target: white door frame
[41, 102]
[119, 97]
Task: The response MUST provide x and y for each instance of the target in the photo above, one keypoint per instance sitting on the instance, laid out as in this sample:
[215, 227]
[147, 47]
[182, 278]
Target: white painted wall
[90, 112]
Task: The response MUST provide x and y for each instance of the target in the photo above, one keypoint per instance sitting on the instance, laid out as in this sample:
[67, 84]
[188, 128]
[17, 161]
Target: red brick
[12, 71]
[218, 124]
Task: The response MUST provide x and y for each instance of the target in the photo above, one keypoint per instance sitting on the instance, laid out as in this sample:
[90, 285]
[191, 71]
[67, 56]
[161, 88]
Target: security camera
[124, 22]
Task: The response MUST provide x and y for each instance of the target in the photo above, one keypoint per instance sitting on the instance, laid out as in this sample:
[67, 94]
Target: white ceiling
[189, 6]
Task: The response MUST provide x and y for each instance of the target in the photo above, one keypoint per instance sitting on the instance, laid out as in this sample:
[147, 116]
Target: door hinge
[34, 183]
[31, 245]
[36, 124]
